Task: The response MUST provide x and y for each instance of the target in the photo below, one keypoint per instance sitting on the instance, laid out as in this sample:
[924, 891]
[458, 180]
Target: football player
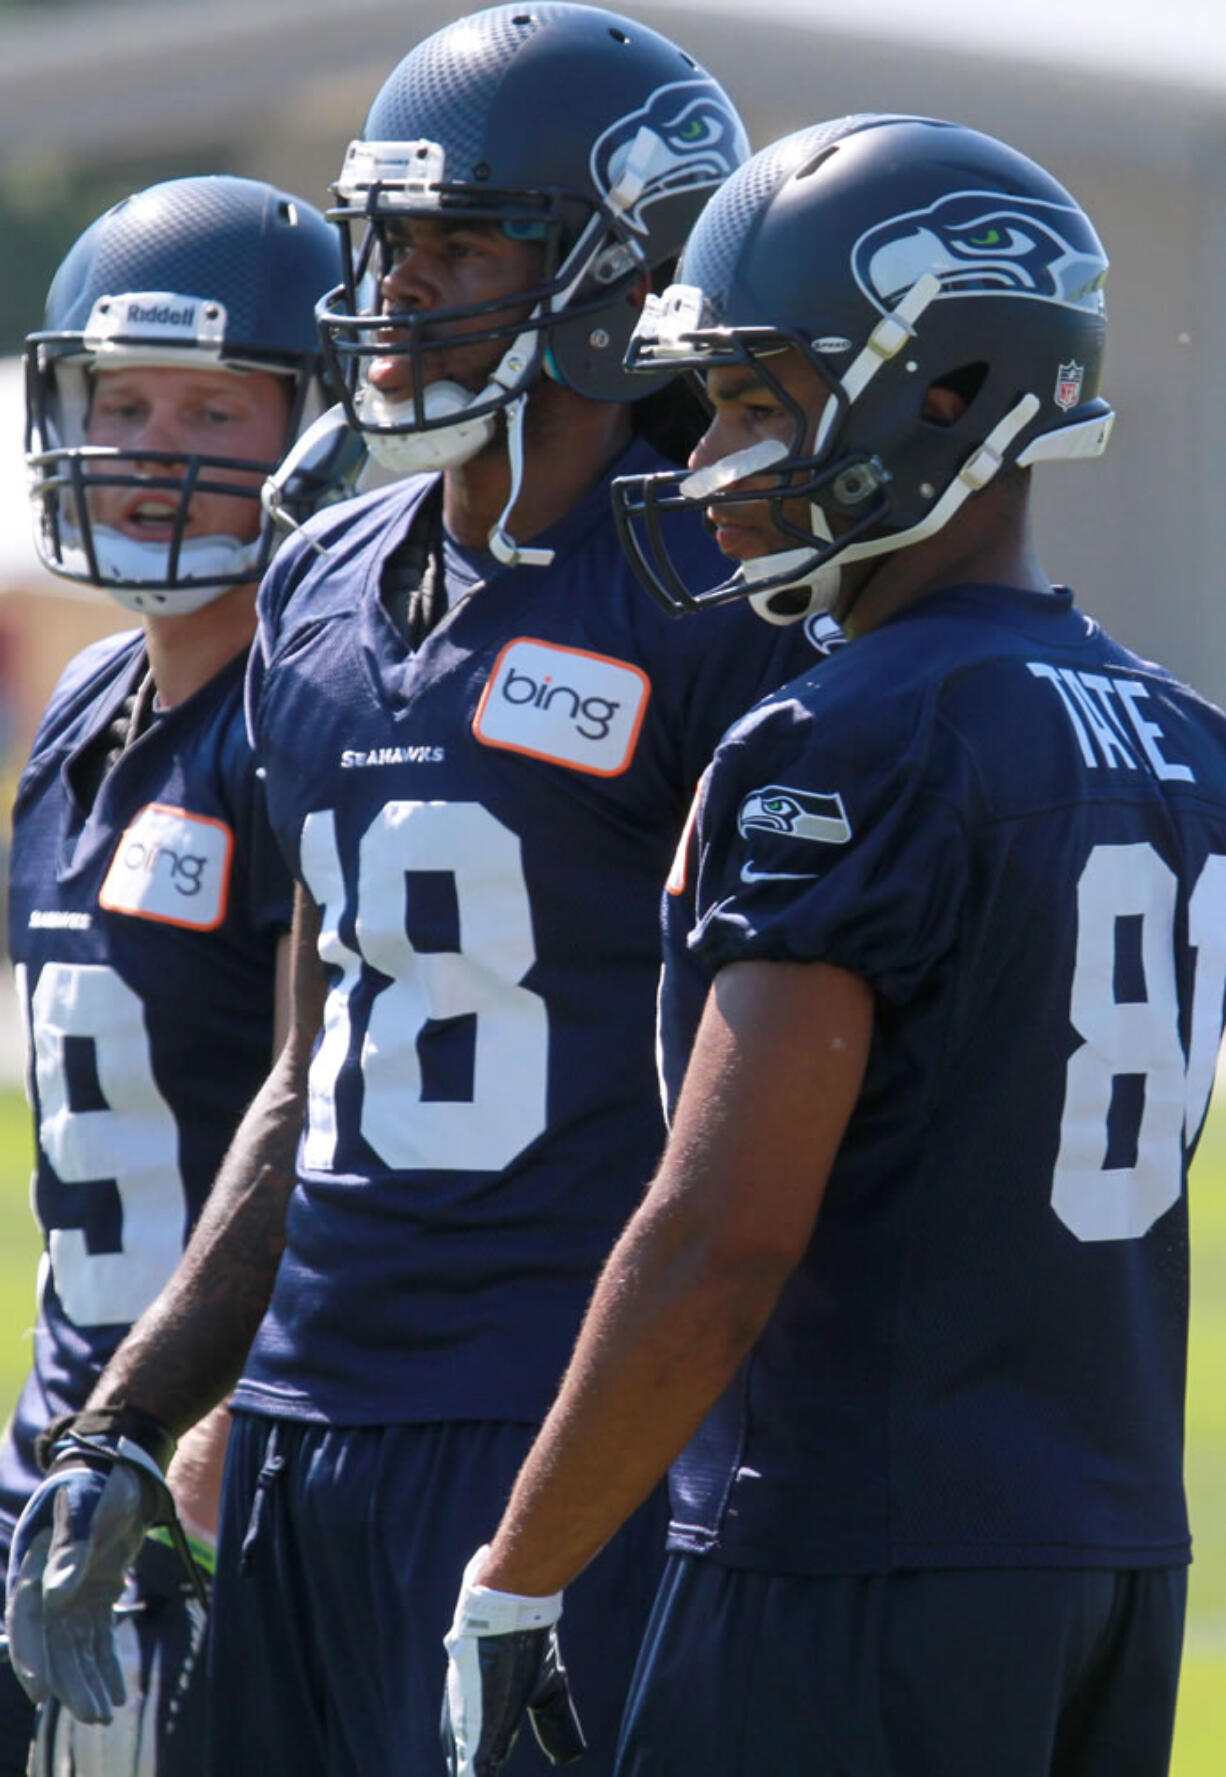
[149, 906]
[480, 743]
[944, 975]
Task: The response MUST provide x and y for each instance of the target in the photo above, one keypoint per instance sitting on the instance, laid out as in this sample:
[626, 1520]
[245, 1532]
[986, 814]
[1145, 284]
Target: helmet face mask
[210, 275]
[76, 480]
[919, 256]
[562, 124]
[499, 340]
[782, 488]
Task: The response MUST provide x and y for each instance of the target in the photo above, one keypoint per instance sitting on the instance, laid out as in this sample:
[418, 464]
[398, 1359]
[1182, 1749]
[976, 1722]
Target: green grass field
[1200, 1744]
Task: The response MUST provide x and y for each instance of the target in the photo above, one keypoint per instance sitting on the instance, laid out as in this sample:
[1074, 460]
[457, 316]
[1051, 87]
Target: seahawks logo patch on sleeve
[800, 814]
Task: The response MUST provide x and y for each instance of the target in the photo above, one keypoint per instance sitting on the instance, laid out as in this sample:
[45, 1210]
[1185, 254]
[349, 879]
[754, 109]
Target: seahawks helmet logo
[685, 137]
[979, 243]
[800, 814]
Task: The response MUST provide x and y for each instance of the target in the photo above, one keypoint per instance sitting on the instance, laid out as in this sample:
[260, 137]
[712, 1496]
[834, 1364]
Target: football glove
[159, 1642]
[73, 1545]
[502, 1662]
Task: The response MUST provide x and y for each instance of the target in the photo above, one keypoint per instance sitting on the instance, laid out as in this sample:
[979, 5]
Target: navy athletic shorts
[1000, 1673]
[339, 1561]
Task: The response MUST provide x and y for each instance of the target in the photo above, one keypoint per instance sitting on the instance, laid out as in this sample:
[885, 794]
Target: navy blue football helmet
[893, 253]
[567, 125]
[213, 272]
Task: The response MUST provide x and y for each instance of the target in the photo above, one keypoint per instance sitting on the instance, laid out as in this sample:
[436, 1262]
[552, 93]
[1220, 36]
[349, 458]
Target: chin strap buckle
[502, 545]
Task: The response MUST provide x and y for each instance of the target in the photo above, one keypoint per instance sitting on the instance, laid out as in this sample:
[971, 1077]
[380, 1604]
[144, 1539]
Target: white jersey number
[1137, 1037]
[133, 1142]
[483, 978]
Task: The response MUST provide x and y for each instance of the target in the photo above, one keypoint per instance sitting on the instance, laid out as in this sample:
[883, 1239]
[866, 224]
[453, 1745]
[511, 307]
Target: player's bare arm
[194, 1476]
[186, 1351]
[178, 1362]
[775, 1073]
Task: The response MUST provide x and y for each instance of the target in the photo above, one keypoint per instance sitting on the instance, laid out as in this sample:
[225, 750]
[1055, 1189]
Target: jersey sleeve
[270, 887]
[80, 684]
[262, 876]
[829, 839]
[288, 565]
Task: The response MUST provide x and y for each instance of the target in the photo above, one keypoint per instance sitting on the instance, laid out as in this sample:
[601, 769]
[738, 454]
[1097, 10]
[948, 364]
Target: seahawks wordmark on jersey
[486, 824]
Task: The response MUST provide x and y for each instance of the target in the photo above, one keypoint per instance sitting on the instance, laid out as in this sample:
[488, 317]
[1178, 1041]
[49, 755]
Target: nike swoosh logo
[749, 874]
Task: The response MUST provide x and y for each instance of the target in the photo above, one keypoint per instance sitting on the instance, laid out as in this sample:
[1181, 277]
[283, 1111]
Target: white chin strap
[821, 584]
[446, 446]
[502, 545]
[417, 453]
[887, 339]
[129, 570]
[781, 606]
[780, 603]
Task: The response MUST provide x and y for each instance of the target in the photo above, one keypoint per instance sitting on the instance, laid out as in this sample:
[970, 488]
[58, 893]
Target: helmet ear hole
[949, 395]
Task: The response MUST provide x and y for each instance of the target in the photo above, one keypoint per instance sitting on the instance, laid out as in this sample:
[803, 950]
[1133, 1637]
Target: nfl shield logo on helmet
[1068, 385]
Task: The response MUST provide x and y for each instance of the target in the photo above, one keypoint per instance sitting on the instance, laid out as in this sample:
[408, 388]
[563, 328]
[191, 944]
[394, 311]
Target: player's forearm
[772, 1081]
[666, 1330]
[187, 1350]
[194, 1476]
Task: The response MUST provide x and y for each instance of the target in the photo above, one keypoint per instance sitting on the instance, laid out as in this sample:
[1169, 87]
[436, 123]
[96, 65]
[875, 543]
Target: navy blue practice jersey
[1015, 831]
[143, 927]
[486, 824]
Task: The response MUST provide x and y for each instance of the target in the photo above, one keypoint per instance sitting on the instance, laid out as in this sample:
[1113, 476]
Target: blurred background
[1123, 101]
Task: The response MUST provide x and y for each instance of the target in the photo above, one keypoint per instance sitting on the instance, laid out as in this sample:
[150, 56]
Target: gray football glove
[158, 1731]
[503, 1663]
[72, 1548]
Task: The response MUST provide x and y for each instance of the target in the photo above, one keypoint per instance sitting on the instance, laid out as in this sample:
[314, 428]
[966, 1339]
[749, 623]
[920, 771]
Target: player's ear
[943, 406]
[637, 293]
[657, 280]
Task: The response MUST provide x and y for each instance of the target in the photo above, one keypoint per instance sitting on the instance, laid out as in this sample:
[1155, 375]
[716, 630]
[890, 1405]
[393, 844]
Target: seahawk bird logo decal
[798, 814]
[684, 136]
[982, 244]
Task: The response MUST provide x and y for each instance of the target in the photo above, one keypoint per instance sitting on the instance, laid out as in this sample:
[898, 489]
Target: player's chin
[447, 358]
